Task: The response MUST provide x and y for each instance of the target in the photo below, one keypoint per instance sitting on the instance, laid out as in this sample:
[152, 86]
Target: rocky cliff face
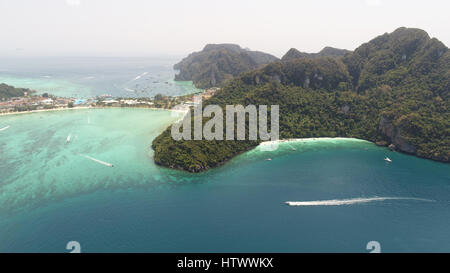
[395, 136]
[325, 72]
[218, 63]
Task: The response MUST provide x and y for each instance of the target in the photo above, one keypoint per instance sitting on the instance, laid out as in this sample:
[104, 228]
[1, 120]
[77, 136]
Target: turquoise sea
[51, 193]
[85, 77]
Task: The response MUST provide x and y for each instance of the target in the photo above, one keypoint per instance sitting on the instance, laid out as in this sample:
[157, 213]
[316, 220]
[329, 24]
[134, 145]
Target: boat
[269, 159]
[68, 138]
[4, 128]
[387, 159]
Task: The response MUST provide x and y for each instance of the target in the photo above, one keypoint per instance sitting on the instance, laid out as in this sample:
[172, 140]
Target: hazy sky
[177, 27]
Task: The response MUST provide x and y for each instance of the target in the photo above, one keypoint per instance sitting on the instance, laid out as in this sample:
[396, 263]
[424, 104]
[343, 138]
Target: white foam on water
[99, 161]
[4, 128]
[340, 202]
[312, 139]
[140, 76]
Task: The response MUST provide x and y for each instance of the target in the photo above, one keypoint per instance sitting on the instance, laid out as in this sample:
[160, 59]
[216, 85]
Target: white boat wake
[99, 161]
[4, 128]
[340, 202]
[140, 76]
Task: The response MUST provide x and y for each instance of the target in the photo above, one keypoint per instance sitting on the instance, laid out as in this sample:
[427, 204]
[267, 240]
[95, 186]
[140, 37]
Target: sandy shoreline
[43, 110]
[84, 108]
[309, 139]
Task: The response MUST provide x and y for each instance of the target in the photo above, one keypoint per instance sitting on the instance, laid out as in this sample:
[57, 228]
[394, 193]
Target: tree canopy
[392, 90]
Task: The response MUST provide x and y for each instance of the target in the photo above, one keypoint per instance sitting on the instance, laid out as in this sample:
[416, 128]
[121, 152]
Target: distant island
[218, 63]
[392, 90]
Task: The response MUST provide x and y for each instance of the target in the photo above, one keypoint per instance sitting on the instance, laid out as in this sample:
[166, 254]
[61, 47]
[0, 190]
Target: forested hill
[407, 57]
[328, 51]
[7, 91]
[392, 90]
[217, 63]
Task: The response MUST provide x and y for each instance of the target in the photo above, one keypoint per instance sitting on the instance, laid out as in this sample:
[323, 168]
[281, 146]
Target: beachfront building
[48, 101]
[110, 101]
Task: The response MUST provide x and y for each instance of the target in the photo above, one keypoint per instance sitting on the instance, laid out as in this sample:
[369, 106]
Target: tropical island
[22, 100]
[392, 90]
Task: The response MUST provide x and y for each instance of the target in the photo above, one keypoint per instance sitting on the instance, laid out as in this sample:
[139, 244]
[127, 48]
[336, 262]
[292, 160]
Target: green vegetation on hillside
[216, 64]
[391, 90]
[7, 91]
[328, 51]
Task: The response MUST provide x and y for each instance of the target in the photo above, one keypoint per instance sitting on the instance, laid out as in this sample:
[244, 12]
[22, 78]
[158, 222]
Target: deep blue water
[240, 207]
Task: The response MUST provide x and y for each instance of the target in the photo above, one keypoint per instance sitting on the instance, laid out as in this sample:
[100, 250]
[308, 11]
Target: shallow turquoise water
[85, 77]
[39, 165]
[51, 194]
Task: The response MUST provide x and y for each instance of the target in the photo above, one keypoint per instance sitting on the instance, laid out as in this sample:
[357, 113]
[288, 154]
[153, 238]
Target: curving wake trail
[140, 76]
[99, 161]
[340, 202]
